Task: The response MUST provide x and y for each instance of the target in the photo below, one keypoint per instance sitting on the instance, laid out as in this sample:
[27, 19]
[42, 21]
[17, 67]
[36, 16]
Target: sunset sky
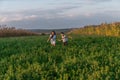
[56, 14]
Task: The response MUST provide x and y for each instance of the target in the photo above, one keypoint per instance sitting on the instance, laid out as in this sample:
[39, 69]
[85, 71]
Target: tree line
[6, 31]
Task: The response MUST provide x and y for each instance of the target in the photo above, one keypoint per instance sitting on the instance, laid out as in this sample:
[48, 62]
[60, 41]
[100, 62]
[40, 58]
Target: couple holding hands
[52, 38]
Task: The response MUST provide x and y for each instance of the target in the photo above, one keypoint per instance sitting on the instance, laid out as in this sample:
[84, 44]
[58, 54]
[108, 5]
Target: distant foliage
[11, 32]
[104, 29]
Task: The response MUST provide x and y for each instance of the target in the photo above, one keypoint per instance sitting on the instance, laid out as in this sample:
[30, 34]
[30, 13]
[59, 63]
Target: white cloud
[30, 17]
[16, 17]
[3, 19]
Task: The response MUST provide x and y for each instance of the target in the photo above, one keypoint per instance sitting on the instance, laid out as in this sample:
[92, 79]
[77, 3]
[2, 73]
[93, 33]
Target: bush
[12, 32]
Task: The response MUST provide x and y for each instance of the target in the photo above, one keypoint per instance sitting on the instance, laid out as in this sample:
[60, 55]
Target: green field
[85, 58]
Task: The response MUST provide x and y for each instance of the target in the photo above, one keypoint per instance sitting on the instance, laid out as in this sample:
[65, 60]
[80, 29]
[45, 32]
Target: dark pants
[65, 43]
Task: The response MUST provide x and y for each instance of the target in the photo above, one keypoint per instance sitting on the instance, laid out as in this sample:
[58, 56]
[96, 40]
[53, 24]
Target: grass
[85, 58]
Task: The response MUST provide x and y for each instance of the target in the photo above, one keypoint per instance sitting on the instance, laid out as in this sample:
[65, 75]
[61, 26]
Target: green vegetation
[85, 58]
[104, 29]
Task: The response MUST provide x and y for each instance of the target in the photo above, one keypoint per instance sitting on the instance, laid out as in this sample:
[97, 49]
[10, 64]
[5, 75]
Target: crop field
[84, 58]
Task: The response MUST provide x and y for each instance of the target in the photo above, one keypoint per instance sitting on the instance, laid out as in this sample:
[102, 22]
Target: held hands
[59, 40]
[70, 37]
[48, 40]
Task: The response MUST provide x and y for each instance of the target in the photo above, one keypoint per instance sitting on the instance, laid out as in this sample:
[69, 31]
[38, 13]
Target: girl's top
[52, 37]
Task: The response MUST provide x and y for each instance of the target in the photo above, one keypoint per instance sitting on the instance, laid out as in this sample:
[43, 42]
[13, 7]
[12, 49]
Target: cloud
[64, 22]
[57, 18]
[68, 9]
[35, 13]
[3, 19]
[101, 1]
[30, 17]
[16, 17]
[77, 2]
[75, 14]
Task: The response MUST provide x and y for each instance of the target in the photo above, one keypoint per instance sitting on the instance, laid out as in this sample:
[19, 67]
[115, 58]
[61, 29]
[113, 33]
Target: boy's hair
[62, 32]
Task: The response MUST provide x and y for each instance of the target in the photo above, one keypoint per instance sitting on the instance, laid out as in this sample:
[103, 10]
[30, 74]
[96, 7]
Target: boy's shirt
[64, 38]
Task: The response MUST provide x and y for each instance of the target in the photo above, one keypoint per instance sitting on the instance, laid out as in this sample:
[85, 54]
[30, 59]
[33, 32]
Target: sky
[58, 14]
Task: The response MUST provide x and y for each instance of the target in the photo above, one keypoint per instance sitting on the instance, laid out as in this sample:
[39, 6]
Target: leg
[54, 43]
[65, 43]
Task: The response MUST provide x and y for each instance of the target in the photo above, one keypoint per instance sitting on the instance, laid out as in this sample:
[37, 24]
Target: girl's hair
[54, 32]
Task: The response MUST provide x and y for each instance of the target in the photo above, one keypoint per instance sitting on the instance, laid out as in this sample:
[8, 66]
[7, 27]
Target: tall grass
[112, 29]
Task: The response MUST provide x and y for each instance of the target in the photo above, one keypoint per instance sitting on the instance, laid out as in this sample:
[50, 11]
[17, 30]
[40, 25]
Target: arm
[70, 37]
[49, 38]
